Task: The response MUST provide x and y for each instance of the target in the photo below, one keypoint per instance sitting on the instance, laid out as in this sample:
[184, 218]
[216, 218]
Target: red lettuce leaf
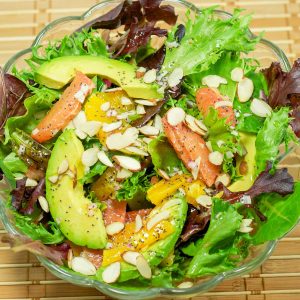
[281, 182]
[155, 60]
[284, 90]
[18, 194]
[13, 92]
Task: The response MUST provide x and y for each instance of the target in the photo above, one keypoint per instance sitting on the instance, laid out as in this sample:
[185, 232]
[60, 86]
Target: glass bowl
[265, 52]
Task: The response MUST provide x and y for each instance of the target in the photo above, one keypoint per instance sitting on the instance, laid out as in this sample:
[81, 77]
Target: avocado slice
[57, 72]
[156, 253]
[75, 215]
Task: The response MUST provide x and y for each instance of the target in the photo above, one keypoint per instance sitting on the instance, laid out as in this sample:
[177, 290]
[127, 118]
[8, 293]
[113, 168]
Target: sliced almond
[143, 267]
[91, 128]
[82, 135]
[237, 74]
[246, 222]
[128, 163]
[112, 272]
[130, 257]
[114, 228]
[204, 200]
[123, 174]
[260, 108]
[175, 77]
[108, 127]
[140, 110]
[83, 266]
[149, 130]
[104, 159]
[150, 76]
[209, 146]
[138, 223]
[125, 101]
[36, 131]
[111, 113]
[145, 102]
[185, 285]
[195, 169]
[53, 179]
[157, 218]
[157, 123]
[175, 116]
[245, 89]
[213, 81]
[223, 103]
[43, 203]
[190, 121]
[89, 157]
[113, 90]
[118, 141]
[136, 150]
[70, 258]
[105, 106]
[216, 158]
[30, 182]
[245, 229]
[224, 179]
[147, 140]
[171, 203]
[201, 125]
[63, 167]
[79, 119]
[163, 174]
[126, 114]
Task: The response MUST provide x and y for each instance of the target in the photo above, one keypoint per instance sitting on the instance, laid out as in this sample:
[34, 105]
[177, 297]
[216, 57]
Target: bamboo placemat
[22, 277]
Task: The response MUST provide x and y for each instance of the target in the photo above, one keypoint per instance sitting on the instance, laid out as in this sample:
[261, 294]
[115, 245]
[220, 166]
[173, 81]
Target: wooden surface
[21, 276]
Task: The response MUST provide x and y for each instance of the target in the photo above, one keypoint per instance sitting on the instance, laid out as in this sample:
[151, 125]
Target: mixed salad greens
[148, 157]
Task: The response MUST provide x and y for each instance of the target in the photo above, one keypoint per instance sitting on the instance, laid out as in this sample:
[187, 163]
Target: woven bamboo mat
[22, 277]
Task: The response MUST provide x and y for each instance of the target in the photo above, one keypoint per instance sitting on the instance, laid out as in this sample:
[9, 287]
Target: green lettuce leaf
[37, 106]
[38, 232]
[14, 164]
[97, 170]
[206, 38]
[222, 246]
[273, 133]
[282, 213]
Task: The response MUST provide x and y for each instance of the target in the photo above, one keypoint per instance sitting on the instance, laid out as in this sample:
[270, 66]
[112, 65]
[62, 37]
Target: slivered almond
[224, 179]
[204, 200]
[104, 159]
[138, 223]
[43, 203]
[175, 116]
[223, 103]
[216, 158]
[91, 128]
[83, 266]
[89, 157]
[123, 174]
[114, 228]
[128, 163]
[136, 150]
[185, 285]
[112, 272]
[149, 130]
[145, 102]
[213, 81]
[157, 218]
[190, 121]
[30, 182]
[82, 135]
[63, 167]
[105, 106]
[108, 127]
[175, 77]
[125, 101]
[245, 89]
[143, 267]
[260, 108]
[150, 76]
[130, 257]
[140, 110]
[237, 74]
[53, 179]
[163, 174]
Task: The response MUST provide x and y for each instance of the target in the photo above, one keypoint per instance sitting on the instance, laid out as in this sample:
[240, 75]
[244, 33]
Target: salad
[142, 156]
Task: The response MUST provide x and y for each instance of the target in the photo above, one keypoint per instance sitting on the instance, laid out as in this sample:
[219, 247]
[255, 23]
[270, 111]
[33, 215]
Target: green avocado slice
[58, 72]
[75, 215]
[157, 252]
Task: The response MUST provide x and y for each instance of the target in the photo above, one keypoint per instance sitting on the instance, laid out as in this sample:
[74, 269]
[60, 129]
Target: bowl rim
[156, 291]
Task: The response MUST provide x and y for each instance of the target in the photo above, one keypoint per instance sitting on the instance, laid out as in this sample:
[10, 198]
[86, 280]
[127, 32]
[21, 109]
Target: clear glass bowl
[265, 52]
